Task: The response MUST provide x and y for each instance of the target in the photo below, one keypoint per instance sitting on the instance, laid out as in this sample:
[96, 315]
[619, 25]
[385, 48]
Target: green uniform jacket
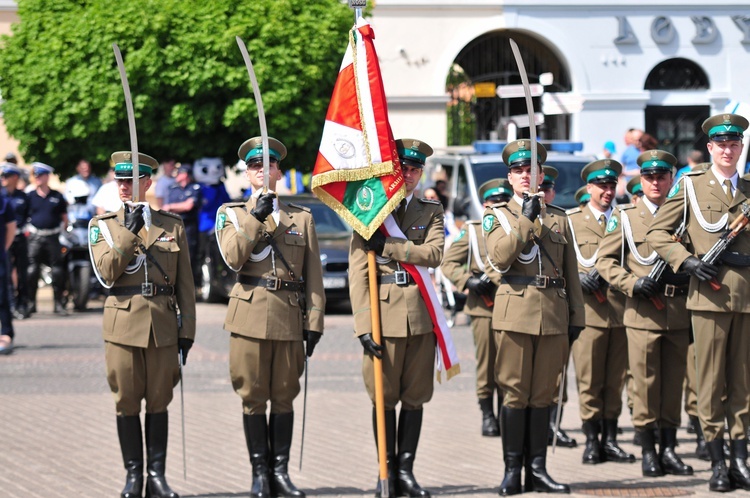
[640, 311]
[528, 309]
[129, 320]
[455, 266]
[253, 310]
[734, 294]
[588, 236]
[399, 306]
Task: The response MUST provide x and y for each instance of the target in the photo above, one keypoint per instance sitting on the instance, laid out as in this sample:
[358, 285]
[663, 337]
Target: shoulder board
[298, 206]
[623, 207]
[233, 204]
[552, 207]
[171, 214]
[573, 211]
[694, 173]
[104, 216]
[499, 204]
[473, 222]
[430, 201]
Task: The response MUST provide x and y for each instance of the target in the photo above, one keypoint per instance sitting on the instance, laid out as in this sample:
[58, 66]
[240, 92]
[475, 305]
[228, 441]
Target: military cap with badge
[123, 161]
[550, 176]
[634, 186]
[518, 153]
[582, 196]
[725, 127]
[413, 152]
[495, 190]
[656, 161]
[601, 171]
[251, 150]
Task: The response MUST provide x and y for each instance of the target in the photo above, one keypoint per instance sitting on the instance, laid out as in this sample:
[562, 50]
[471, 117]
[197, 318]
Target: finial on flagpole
[357, 5]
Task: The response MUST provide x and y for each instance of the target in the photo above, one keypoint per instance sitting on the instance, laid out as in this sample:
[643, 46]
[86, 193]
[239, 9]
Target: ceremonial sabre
[304, 416]
[559, 405]
[261, 112]
[131, 124]
[182, 413]
[534, 187]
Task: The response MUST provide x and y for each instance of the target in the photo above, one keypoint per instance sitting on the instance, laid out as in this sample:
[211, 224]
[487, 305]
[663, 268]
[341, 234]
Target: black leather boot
[719, 480]
[280, 430]
[592, 454]
[157, 429]
[256, 437]
[409, 428]
[131, 445]
[390, 450]
[563, 440]
[650, 466]
[537, 478]
[490, 426]
[701, 451]
[611, 451]
[513, 432]
[670, 462]
[692, 424]
[739, 474]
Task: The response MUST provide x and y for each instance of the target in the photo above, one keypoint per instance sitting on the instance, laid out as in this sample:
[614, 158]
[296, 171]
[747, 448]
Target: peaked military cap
[495, 187]
[601, 171]
[582, 195]
[550, 175]
[634, 186]
[123, 162]
[41, 169]
[518, 153]
[413, 152]
[724, 127]
[252, 150]
[656, 161]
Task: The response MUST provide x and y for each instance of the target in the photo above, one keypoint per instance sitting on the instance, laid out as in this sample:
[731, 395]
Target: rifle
[658, 269]
[488, 300]
[598, 294]
[721, 245]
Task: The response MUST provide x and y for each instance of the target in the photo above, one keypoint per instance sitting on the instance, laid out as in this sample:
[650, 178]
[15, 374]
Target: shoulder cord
[474, 249]
[585, 262]
[627, 231]
[527, 258]
[709, 227]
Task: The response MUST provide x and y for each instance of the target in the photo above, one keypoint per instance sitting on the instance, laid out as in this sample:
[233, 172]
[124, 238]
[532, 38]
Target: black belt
[541, 281]
[735, 259]
[271, 283]
[400, 278]
[675, 290]
[146, 290]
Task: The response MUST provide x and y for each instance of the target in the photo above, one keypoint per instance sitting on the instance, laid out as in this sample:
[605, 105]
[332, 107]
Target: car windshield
[327, 222]
[566, 184]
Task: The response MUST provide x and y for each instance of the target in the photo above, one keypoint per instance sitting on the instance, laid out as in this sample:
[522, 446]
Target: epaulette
[104, 216]
[473, 222]
[573, 211]
[171, 214]
[694, 172]
[298, 206]
[623, 207]
[555, 208]
[430, 201]
[499, 204]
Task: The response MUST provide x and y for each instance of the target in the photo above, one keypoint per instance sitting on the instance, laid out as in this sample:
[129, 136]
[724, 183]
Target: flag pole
[378, 371]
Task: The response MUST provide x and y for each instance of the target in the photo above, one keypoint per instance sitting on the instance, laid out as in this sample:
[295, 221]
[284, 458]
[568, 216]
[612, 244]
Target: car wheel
[207, 291]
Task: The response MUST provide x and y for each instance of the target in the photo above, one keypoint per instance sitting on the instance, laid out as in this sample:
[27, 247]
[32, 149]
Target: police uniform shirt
[7, 215]
[212, 198]
[20, 201]
[46, 212]
[176, 194]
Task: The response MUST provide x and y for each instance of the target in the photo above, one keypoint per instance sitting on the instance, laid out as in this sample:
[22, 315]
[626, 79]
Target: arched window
[677, 74]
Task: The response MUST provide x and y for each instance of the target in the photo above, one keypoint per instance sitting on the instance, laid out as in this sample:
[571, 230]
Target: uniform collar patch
[94, 235]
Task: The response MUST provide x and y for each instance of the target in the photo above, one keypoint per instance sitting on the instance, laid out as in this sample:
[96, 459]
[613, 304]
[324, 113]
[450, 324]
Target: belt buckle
[273, 283]
[402, 278]
[669, 290]
[541, 281]
[147, 289]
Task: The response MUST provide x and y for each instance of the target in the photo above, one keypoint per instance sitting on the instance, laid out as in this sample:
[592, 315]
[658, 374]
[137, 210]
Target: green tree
[63, 98]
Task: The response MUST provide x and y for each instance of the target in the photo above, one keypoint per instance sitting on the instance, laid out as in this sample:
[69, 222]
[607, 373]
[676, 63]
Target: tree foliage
[63, 98]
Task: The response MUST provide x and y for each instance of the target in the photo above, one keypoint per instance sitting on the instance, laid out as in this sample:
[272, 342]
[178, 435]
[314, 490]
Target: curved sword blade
[131, 123]
[261, 112]
[534, 187]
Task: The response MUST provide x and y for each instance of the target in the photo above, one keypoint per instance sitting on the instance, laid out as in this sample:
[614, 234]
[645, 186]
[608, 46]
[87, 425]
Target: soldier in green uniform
[277, 303]
[656, 323]
[140, 254]
[707, 201]
[635, 189]
[465, 266]
[600, 355]
[538, 309]
[408, 345]
[582, 196]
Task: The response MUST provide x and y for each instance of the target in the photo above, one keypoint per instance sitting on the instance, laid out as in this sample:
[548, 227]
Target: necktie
[400, 211]
[728, 184]
[602, 219]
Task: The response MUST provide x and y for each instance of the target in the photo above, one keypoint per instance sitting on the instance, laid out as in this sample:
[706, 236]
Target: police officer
[47, 218]
[184, 198]
[408, 345]
[655, 319]
[538, 309]
[719, 298]
[7, 233]
[140, 254]
[19, 250]
[277, 302]
[465, 265]
[600, 355]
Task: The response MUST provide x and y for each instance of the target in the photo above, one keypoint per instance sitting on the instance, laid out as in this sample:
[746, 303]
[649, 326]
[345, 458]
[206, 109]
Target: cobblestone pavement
[59, 437]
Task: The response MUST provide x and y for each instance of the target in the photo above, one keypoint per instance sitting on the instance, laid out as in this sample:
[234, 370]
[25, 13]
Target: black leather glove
[371, 346]
[134, 218]
[573, 333]
[376, 243]
[311, 339]
[646, 287]
[696, 267]
[589, 284]
[483, 287]
[184, 344]
[263, 207]
[532, 206]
